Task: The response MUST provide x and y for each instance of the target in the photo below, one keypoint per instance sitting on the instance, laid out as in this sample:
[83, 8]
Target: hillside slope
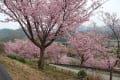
[20, 71]
[9, 34]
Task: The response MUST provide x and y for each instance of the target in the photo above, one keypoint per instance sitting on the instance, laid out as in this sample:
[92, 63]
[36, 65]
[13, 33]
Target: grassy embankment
[28, 71]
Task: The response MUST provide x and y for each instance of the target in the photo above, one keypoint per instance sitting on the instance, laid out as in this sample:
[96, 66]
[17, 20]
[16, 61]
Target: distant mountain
[82, 28]
[9, 34]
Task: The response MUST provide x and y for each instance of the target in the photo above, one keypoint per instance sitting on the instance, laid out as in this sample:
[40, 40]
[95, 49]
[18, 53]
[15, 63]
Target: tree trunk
[118, 49]
[41, 59]
[111, 71]
[82, 60]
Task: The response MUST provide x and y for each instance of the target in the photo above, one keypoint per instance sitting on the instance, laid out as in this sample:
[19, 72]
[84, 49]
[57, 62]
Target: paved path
[3, 74]
[105, 76]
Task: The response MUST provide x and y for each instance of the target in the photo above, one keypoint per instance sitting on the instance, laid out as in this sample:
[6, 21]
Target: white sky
[111, 6]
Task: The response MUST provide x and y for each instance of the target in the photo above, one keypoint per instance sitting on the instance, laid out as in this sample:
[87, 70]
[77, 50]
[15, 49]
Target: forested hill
[9, 34]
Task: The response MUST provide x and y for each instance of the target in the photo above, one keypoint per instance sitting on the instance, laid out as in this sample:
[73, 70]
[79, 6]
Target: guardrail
[93, 68]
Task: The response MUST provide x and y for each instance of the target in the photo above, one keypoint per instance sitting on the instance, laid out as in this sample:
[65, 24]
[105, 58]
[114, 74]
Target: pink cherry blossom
[91, 50]
[41, 18]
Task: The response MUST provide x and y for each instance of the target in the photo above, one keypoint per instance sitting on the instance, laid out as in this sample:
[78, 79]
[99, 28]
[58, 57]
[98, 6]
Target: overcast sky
[110, 6]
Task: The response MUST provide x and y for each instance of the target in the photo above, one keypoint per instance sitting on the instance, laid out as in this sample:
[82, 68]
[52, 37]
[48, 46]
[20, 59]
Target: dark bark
[41, 59]
[111, 71]
[118, 49]
[112, 27]
[82, 60]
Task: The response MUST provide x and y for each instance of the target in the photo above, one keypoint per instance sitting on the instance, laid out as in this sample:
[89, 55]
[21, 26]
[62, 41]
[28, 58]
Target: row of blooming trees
[26, 49]
[44, 20]
[89, 50]
[22, 48]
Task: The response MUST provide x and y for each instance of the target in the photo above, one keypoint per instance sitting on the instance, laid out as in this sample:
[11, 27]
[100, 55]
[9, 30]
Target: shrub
[11, 56]
[82, 74]
[15, 57]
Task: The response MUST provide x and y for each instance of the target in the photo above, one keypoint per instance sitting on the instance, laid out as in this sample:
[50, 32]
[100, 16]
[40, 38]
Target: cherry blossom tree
[112, 21]
[91, 50]
[105, 60]
[85, 45]
[44, 20]
[22, 47]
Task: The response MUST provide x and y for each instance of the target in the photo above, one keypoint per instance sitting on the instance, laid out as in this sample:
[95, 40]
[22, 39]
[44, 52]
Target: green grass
[15, 57]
